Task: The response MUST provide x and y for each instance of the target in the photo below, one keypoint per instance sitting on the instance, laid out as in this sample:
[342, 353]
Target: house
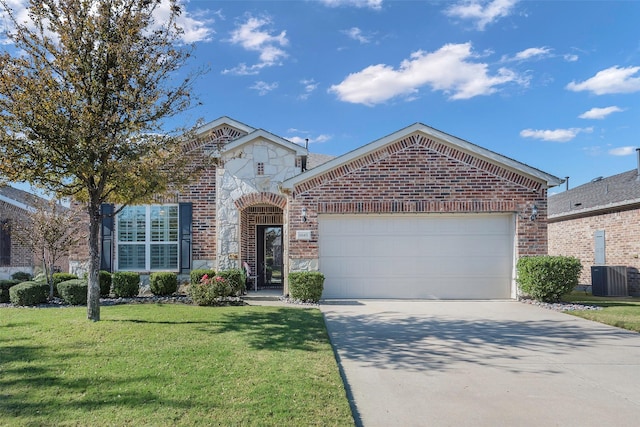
[599, 223]
[415, 214]
[15, 207]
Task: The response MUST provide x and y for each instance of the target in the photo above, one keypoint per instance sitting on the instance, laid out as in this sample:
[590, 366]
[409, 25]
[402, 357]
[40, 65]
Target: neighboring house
[599, 223]
[416, 214]
[15, 207]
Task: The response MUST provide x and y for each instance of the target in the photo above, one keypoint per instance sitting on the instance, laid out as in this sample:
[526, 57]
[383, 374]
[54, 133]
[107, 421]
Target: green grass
[165, 365]
[616, 311]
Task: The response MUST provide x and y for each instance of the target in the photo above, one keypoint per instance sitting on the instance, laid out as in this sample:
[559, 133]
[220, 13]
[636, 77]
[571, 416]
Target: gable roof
[18, 198]
[597, 196]
[224, 120]
[490, 156]
[261, 133]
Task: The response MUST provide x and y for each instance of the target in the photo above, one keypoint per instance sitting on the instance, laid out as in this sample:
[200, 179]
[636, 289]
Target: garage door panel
[417, 256]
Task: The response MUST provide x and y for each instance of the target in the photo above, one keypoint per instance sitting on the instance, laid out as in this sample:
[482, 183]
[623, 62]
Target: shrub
[126, 284]
[210, 290]
[163, 283]
[306, 285]
[196, 275]
[548, 278]
[21, 276]
[59, 278]
[62, 277]
[236, 279]
[4, 289]
[73, 291]
[104, 278]
[29, 293]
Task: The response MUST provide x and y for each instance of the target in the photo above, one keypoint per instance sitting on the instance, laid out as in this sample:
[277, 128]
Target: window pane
[131, 257]
[164, 257]
[131, 224]
[164, 223]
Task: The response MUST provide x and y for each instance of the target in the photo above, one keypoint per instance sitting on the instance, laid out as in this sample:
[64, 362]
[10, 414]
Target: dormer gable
[269, 138]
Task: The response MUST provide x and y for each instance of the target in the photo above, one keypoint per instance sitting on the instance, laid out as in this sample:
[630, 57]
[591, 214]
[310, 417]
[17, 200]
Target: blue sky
[553, 84]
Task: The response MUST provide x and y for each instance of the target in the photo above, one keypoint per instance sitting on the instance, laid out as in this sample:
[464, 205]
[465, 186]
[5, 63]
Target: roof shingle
[600, 194]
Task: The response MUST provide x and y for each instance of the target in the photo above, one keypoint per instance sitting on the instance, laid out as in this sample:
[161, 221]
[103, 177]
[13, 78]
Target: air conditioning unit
[609, 281]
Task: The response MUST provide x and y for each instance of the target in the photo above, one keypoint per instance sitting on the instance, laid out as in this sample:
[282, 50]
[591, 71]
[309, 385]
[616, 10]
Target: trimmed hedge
[5, 285]
[59, 278]
[62, 277]
[29, 293]
[21, 276]
[104, 278]
[73, 292]
[548, 278]
[306, 286]
[163, 283]
[196, 275]
[236, 278]
[126, 284]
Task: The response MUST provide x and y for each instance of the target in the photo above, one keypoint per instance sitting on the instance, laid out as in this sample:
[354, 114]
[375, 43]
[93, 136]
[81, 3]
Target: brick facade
[419, 175]
[575, 237]
[255, 178]
[21, 258]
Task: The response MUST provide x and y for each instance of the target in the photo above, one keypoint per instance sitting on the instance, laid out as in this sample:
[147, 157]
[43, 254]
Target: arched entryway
[261, 239]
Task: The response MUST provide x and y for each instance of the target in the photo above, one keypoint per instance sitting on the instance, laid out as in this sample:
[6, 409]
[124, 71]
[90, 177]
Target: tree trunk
[93, 288]
[47, 276]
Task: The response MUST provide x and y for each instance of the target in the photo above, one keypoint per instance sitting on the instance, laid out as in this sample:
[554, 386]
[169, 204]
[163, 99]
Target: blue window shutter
[185, 236]
[106, 237]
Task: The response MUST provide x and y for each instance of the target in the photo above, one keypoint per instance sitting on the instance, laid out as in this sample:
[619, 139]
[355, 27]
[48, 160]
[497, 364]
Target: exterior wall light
[534, 213]
[304, 214]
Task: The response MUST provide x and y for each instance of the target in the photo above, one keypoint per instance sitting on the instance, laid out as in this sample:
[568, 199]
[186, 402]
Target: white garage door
[417, 256]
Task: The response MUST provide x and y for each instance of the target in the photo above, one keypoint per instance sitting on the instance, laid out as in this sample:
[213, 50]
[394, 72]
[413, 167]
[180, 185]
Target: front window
[148, 238]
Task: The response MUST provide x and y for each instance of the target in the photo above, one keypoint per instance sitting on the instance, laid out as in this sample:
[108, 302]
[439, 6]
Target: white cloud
[310, 86]
[599, 113]
[611, 80]
[264, 88]
[570, 57]
[355, 33]
[252, 36]
[557, 135]
[370, 4]
[449, 69]
[481, 11]
[532, 52]
[622, 151]
[303, 140]
[196, 25]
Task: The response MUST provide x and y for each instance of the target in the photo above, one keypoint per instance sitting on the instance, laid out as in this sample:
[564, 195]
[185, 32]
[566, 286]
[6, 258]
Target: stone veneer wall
[416, 175]
[256, 168]
[575, 237]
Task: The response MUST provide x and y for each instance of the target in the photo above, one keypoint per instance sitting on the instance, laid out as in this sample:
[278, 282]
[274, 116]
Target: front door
[269, 256]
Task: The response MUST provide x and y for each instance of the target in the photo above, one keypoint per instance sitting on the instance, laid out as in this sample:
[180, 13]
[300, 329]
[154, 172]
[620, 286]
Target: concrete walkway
[498, 363]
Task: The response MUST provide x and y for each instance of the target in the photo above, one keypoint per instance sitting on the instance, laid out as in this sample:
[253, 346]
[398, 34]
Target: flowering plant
[210, 289]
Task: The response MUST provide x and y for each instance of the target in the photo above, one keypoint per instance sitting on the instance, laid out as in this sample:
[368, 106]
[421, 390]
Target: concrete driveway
[479, 363]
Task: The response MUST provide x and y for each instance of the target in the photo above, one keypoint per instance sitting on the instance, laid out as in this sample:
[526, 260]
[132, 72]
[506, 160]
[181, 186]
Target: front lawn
[164, 365]
[617, 311]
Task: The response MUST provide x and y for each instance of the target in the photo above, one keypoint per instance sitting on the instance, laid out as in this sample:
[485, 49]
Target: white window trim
[147, 243]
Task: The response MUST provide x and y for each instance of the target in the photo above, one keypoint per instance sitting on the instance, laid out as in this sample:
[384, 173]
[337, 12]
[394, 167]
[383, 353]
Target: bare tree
[49, 231]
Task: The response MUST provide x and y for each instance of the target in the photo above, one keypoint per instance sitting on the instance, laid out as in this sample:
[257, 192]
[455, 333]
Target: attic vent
[600, 178]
